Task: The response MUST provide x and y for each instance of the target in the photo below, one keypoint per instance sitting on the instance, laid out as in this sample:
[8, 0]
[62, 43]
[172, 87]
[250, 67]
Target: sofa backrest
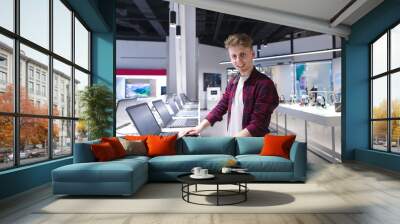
[83, 153]
[249, 145]
[191, 146]
[207, 145]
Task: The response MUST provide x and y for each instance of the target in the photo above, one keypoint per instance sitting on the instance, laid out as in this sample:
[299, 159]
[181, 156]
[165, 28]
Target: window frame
[388, 74]
[16, 114]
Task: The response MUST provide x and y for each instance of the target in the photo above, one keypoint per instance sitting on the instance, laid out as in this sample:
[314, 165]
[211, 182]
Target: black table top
[220, 178]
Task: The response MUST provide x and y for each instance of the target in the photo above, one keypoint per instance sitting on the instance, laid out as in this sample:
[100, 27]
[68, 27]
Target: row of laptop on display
[145, 121]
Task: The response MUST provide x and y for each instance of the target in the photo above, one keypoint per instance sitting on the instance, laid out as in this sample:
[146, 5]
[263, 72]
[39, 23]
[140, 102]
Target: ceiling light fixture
[172, 18]
[289, 55]
[178, 31]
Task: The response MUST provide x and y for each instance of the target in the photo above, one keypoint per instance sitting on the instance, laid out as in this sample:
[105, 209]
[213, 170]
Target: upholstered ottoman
[119, 177]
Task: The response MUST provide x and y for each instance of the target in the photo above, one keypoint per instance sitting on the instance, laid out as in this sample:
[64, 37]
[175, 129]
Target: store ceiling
[333, 17]
[148, 20]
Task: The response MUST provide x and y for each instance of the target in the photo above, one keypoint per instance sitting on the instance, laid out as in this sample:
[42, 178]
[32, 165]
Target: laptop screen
[171, 103]
[163, 111]
[143, 119]
[179, 102]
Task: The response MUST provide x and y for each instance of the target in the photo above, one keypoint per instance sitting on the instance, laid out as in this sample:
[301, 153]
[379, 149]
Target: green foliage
[380, 127]
[97, 106]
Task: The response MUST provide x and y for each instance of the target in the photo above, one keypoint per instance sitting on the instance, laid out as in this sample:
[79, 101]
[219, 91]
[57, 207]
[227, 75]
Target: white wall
[141, 54]
[209, 58]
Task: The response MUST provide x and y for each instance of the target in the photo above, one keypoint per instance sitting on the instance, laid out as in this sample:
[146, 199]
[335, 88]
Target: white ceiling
[319, 9]
[314, 15]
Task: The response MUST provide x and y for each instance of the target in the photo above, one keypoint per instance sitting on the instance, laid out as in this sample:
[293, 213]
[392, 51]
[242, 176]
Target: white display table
[324, 122]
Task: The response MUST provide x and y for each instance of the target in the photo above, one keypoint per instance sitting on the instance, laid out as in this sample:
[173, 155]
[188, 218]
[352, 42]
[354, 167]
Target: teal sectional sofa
[125, 176]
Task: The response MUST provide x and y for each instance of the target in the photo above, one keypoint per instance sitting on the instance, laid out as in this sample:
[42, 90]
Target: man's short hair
[238, 39]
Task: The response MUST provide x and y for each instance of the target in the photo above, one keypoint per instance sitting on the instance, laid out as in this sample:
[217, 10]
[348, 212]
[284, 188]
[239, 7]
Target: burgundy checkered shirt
[260, 98]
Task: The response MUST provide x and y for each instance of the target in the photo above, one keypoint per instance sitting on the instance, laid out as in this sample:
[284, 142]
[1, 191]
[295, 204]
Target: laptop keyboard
[187, 113]
[183, 123]
[168, 133]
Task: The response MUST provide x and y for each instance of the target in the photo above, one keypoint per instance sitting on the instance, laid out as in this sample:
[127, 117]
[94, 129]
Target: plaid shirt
[260, 98]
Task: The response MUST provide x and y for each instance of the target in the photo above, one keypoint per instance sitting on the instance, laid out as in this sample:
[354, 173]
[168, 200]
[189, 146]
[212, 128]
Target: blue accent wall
[24, 178]
[356, 85]
[103, 53]
[99, 16]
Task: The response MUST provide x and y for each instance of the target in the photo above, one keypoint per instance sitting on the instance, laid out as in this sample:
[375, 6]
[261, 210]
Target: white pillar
[182, 51]
[182, 69]
[172, 56]
[191, 52]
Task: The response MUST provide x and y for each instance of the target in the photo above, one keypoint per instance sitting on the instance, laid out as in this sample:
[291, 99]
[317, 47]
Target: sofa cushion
[249, 145]
[112, 171]
[275, 145]
[257, 163]
[116, 145]
[136, 137]
[103, 151]
[134, 147]
[133, 157]
[161, 145]
[185, 163]
[208, 145]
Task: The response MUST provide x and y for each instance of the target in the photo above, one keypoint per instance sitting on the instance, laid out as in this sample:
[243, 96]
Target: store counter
[324, 116]
[319, 127]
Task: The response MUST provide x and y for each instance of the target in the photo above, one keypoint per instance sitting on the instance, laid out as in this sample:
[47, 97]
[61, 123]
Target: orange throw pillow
[275, 145]
[116, 145]
[135, 137]
[161, 145]
[103, 152]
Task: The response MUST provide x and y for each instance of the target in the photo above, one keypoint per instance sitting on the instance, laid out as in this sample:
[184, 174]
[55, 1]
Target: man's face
[242, 58]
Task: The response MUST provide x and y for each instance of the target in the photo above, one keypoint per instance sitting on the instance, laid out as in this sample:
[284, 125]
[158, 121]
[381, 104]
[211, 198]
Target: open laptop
[168, 121]
[185, 107]
[186, 99]
[144, 120]
[181, 113]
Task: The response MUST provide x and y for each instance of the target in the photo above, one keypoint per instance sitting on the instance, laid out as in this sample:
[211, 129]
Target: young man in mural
[249, 98]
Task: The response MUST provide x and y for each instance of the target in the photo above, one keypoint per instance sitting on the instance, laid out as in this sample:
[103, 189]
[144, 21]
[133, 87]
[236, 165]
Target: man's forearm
[204, 124]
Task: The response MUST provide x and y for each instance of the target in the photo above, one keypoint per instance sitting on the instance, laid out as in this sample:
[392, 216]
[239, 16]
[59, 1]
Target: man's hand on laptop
[195, 131]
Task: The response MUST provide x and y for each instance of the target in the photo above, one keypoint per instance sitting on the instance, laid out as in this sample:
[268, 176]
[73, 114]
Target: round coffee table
[238, 179]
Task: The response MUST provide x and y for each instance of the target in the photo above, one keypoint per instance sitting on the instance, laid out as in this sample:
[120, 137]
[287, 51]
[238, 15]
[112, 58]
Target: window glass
[395, 47]
[34, 21]
[6, 74]
[39, 62]
[62, 89]
[62, 141]
[62, 29]
[6, 142]
[81, 131]
[379, 98]
[81, 45]
[81, 81]
[379, 135]
[395, 95]
[7, 14]
[379, 56]
[395, 136]
[33, 139]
